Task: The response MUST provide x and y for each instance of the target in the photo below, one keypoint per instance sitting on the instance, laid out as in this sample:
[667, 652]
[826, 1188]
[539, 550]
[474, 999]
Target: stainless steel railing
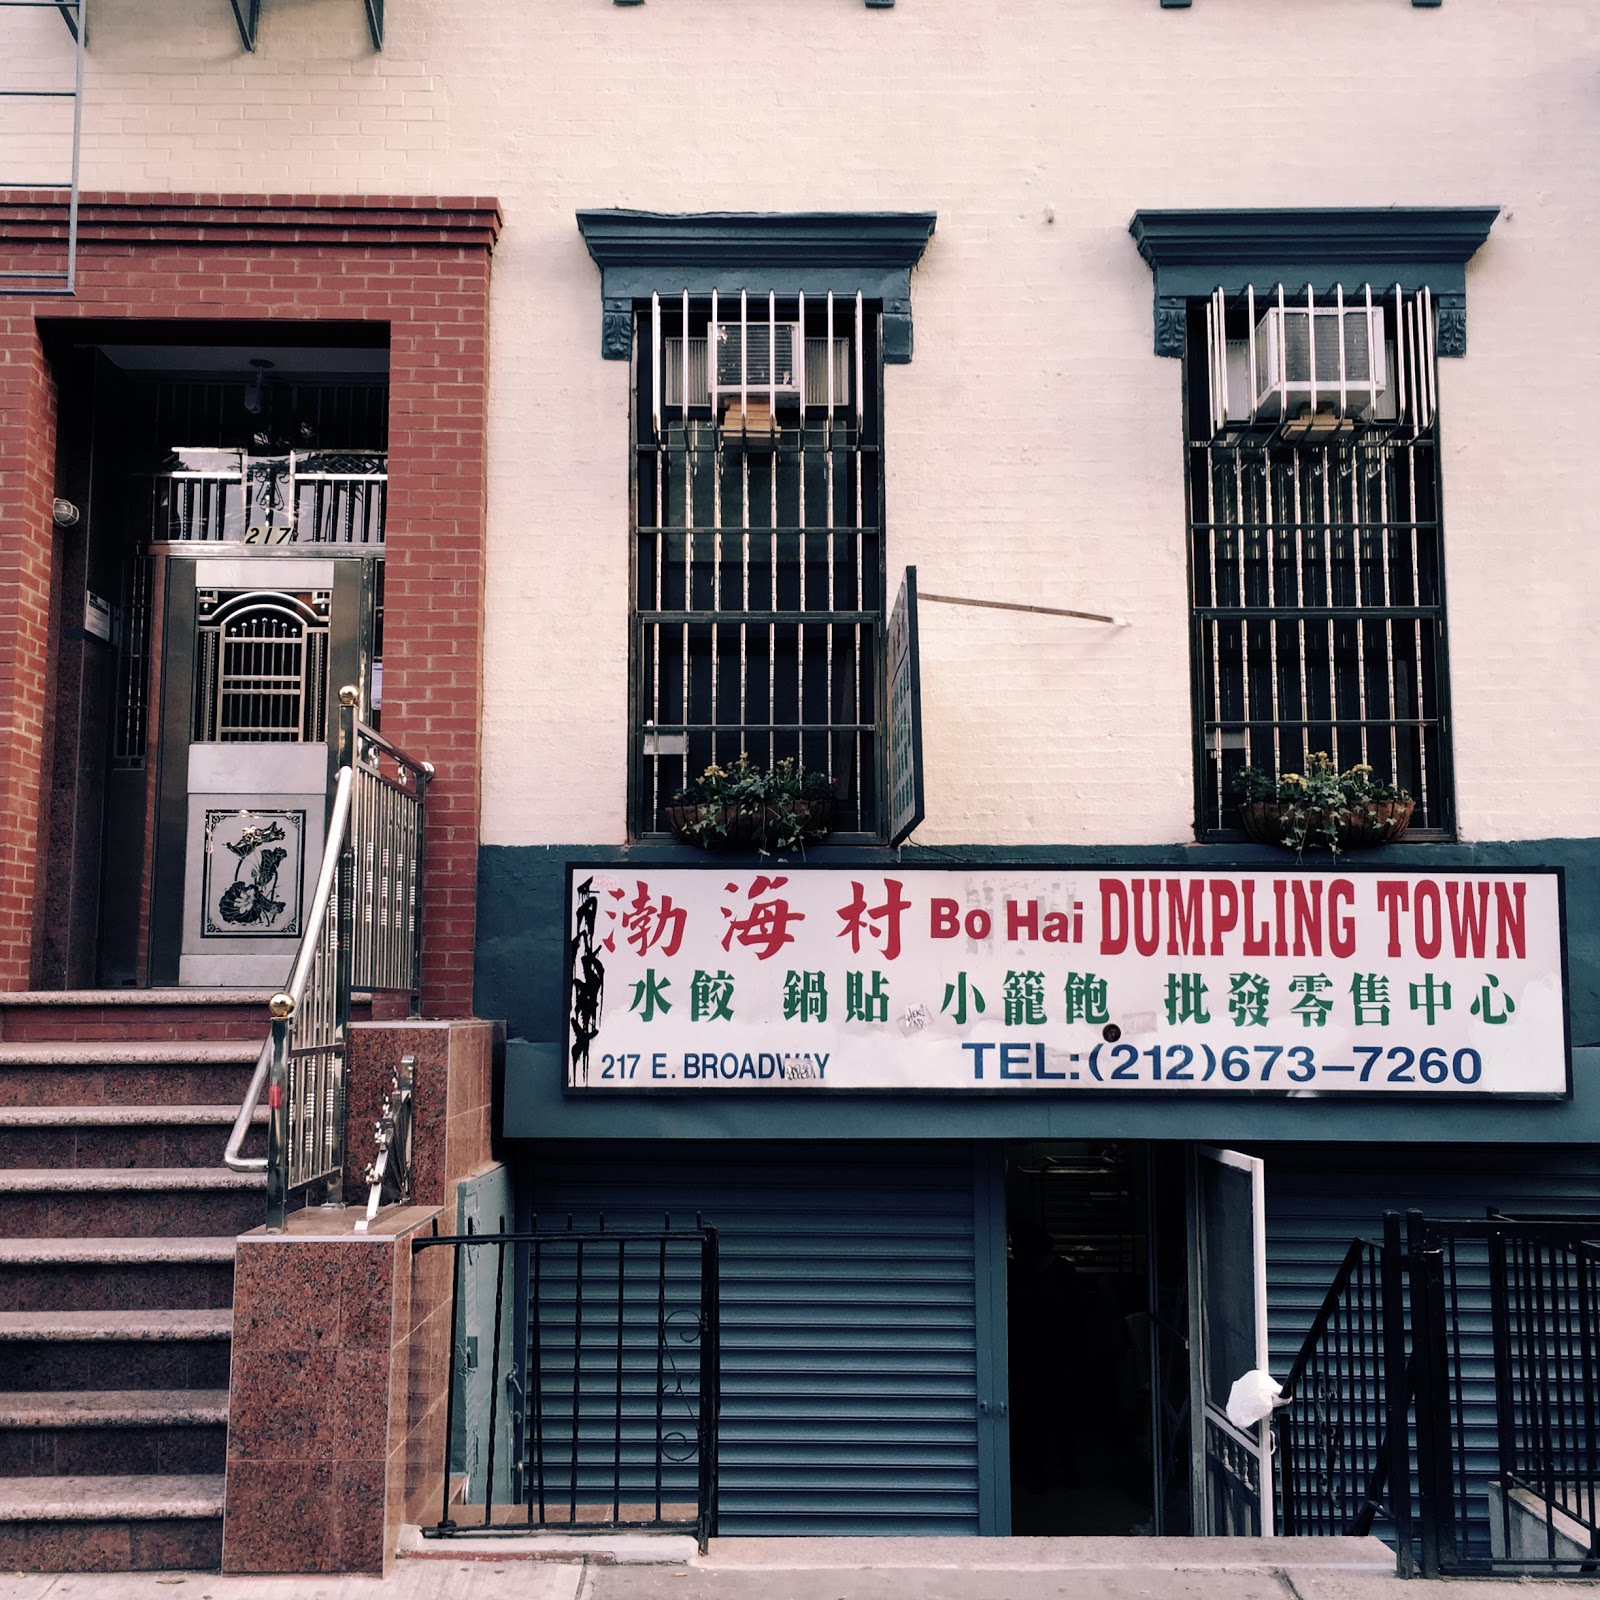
[364, 931]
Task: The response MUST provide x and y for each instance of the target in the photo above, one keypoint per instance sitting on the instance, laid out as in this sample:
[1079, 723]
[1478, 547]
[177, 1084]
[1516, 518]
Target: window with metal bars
[758, 545]
[1316, 573]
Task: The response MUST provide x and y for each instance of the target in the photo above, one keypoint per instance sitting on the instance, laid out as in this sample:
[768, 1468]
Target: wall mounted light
[252, 390]
[63, 513]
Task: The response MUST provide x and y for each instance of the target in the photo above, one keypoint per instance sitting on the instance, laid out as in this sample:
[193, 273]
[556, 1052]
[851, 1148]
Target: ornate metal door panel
[257, 647]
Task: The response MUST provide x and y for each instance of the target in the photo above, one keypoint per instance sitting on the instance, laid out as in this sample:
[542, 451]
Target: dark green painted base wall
[522, 893]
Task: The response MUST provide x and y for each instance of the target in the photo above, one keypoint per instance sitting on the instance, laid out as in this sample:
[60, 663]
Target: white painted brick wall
[1030, 335]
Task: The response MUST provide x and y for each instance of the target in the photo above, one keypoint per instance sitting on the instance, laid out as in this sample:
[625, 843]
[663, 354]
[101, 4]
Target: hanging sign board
[905, 713]
[1066, 981]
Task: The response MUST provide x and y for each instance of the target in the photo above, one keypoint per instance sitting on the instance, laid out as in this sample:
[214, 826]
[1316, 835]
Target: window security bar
[1317, 365]
[758, 546]
[1315, 556]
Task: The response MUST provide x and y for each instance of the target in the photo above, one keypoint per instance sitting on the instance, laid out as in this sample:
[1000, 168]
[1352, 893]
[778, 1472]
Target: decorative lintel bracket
[848, 252]
[1194, 252]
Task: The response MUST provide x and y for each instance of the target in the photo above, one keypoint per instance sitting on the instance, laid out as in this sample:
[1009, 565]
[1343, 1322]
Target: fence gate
[603, 1383]
[1448, 1394]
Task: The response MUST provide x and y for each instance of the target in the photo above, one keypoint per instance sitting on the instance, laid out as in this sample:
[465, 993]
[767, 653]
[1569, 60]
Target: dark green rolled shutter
[849, 1348]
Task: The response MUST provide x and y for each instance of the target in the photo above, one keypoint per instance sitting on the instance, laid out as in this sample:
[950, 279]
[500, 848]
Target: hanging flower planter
[1321, 809]
[750, 808]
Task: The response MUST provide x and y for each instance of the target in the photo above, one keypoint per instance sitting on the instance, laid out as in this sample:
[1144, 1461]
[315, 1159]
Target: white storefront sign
[1066, 981]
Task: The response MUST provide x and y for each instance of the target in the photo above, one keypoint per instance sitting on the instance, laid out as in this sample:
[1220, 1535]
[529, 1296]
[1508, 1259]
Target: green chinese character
[1024, 997]
[1430, 997]
[711, 996]
[1484, 1005]
[1247, 999]
[805, 997]
[862, 1004]
[650, 996]
[1186, 998]
[1085, 999]
[1369, 993]
[1311, 1008]
[957, 993]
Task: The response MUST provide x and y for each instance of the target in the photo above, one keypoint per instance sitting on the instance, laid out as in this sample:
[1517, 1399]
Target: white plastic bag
[1252, 1397]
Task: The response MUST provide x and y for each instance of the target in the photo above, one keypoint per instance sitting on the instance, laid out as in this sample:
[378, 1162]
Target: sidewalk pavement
[832, 1569]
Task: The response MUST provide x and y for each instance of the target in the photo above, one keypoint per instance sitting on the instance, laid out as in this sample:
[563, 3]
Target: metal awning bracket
[247, 16]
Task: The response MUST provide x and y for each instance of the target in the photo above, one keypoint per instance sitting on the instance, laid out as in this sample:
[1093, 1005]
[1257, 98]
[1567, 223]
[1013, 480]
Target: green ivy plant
[1313, 805]
[771, 810]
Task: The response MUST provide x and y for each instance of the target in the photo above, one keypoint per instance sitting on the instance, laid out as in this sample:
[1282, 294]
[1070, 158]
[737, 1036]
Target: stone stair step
[127, 1072]
[122, 1135]
[116, 1180]
[47, 1203]
[102, 1273]
[113, 1408]
[127, 1252]
[122, 1523]
[134, 1014]
[106, 1432]
[137, 1496]
[77, 1350]
[104, 1327]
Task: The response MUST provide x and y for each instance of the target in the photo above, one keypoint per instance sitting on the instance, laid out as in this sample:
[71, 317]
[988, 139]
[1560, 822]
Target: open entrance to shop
[1135, 1298]
[1096, 1296]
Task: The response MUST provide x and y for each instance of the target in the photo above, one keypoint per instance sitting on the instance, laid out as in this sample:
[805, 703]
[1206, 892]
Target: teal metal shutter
[849, 1348]
[1319, 1200]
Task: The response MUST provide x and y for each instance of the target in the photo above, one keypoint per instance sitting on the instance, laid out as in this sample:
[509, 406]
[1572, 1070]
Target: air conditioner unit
[761, 358]
[672, 373]
[1295, 344]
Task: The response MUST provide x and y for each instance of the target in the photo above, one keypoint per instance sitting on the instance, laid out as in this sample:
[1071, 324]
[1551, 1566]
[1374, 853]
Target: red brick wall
[419, 264]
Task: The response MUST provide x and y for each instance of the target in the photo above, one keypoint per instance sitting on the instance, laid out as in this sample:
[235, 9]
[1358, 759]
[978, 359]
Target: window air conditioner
[816, 371]
[772, 365]
[1294, 344]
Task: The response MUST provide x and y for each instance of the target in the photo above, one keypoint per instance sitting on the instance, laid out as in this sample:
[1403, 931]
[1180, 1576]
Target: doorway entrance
[1135, 1297]
[229, 486]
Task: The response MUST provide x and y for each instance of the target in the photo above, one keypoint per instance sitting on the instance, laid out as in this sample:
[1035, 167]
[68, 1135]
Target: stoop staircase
[117, 1227]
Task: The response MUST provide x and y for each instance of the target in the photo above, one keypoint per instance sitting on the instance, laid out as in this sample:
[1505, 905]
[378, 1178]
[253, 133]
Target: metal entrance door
[1231, 1479]
[256, 649]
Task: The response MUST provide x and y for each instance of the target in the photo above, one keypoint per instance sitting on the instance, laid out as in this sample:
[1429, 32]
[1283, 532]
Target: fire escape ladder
[41, 126]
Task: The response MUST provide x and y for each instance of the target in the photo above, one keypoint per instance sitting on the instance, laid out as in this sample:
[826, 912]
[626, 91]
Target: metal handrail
[307, 1076]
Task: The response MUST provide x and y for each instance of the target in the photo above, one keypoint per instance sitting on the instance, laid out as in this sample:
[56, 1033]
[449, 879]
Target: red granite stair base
[117, 1227]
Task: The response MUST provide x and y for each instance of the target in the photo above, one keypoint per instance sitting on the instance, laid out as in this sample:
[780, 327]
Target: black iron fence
[584, 1383]
[1448, 1395]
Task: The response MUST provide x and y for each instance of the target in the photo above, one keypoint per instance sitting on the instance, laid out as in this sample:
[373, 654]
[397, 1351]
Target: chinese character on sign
[1484, 1005]
[1024, 997]
[1311, 1008]
[957, 994]
[710, 996]
[1085, 999]
[648, 924]
[863, 1004]
[1369, 994]
[650, 996]
[1247, 999]
[766, 928]
[877, 922]
[805, 997]
[1430, 997]
[1186, 998]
